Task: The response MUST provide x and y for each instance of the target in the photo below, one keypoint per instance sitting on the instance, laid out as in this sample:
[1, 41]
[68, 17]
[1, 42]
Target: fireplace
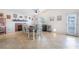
[18, 27]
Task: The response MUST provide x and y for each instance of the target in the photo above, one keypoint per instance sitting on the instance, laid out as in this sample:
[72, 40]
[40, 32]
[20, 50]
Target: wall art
[52, 18]
[8, 16]
[59, 18]
[14, 15]
[1, 15]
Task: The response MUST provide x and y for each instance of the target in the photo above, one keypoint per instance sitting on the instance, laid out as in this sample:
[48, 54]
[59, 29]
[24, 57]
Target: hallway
[16, 25]
[49, 40]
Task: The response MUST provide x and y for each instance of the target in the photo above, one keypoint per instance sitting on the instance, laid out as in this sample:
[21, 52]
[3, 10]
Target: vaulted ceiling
[29, 12]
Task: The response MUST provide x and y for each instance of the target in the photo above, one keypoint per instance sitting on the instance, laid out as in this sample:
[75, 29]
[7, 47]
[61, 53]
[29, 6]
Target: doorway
[71, 24]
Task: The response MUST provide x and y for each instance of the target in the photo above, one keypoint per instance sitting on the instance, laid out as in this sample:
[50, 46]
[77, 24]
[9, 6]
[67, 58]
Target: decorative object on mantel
[1, 15]
[8, 16]
[18, 20]
[14, 15]
[59, 18]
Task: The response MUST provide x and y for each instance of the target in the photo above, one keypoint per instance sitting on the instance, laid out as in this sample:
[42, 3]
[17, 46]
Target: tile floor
[47, 40]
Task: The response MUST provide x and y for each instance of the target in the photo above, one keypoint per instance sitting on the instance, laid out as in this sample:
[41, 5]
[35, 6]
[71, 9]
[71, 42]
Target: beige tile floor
[47, 40]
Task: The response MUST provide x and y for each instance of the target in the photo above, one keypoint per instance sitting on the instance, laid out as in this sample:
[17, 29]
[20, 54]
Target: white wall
[10, 25]
[60, 26]
[78, 24]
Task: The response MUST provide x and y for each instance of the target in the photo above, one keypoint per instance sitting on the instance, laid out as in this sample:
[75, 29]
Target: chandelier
[36, 11]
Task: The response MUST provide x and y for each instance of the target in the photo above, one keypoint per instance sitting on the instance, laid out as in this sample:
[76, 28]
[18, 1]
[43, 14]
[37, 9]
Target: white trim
[75, 24]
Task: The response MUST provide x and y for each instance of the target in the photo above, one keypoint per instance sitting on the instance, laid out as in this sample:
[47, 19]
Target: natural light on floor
[70, 42]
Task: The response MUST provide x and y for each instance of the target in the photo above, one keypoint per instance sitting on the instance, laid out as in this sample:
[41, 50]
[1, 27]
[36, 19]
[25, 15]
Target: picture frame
[1, 14]
[14, 15]
[52, 18]
[8, 16]
[59, 18]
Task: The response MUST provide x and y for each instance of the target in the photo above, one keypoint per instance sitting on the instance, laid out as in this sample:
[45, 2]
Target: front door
[10, 27]
[71, 24]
